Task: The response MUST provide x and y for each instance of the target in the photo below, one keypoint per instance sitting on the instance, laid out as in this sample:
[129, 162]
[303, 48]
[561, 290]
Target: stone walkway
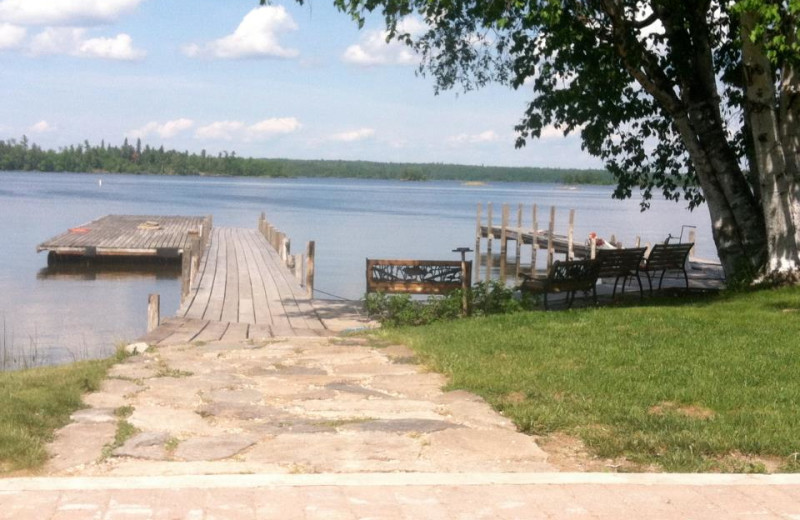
[296, 405]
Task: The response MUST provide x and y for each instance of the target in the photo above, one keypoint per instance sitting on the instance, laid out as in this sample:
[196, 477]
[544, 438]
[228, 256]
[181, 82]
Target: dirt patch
[693, 411]
[737, 462]
[568, 453]
[514, 398]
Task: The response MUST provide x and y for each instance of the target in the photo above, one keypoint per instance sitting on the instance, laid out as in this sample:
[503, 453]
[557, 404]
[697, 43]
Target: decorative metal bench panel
[416, 276]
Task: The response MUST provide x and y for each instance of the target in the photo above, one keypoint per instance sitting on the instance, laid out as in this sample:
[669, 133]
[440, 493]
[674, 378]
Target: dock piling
[153, 311]
[310, 253]
[478, 237]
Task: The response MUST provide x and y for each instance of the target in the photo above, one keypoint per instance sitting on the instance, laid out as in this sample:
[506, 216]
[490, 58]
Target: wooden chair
[621, 263]
[663, 258]
[565, 276]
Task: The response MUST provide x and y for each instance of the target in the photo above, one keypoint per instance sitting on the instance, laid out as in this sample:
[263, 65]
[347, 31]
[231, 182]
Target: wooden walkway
[242, 291]
[127, 235]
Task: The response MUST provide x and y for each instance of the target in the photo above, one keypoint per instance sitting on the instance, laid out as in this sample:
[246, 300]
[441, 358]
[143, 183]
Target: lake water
[55, 318]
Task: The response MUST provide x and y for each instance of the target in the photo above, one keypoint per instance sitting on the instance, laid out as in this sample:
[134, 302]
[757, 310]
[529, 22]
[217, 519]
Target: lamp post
[465, 281]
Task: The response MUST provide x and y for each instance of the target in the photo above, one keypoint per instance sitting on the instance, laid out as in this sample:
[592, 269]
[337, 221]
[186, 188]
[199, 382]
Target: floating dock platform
[129, 236]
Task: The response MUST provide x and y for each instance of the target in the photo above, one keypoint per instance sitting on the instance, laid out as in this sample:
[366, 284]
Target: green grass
[685, 384]
[36, 402]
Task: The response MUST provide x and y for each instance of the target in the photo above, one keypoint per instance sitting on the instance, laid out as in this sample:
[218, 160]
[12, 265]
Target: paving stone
[402, 425]
[145, 445]
[296, 370]
[356, 389]
[214, 448]
[242, 396]
[78, 444]
[94, 415]
[245, 412]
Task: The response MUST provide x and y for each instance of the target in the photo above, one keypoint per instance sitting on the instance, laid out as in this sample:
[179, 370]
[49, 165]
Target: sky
[284, 80]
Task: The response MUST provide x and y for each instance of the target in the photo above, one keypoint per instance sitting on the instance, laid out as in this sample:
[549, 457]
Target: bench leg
[641, 289]
[686, 277]
[545, 300]
[661, 280]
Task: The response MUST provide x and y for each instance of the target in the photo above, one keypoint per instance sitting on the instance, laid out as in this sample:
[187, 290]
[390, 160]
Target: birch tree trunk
[776, 171]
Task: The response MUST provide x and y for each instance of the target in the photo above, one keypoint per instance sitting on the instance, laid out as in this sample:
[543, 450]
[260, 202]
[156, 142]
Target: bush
[485, 298]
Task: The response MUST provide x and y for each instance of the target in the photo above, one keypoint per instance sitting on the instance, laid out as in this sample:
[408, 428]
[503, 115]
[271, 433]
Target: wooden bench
[663, 258]
[565, 276]
[621, 263]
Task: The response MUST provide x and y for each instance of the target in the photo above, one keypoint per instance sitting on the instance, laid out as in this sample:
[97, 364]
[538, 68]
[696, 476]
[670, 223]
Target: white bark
[777, 183]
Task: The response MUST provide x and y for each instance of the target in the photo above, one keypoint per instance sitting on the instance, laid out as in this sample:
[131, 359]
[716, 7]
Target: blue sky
[285, 80]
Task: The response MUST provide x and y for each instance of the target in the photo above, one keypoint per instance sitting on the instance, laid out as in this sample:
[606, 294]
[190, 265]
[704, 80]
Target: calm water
[59, 317]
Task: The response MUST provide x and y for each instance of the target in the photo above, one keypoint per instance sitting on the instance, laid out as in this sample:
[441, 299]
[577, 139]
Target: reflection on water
[66, 312]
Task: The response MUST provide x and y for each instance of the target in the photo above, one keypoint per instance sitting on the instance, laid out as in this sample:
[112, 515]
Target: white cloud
[372, 48]
[64, 12]
[73, 42]
[256, 37]
[237, 130]
[225, 130]
[484, 137]
[164, 130]
[42, 127]
[118, 48]
[11, 36]
[273, 126]
[354, 135]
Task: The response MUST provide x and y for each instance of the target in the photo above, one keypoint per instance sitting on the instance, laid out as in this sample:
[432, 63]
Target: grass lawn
[685, 384]
[37, 401]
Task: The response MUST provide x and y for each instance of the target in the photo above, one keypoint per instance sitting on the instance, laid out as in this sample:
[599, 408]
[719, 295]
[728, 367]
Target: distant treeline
[138, 158]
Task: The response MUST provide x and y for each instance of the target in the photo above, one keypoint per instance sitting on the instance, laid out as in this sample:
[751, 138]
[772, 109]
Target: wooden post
[550, 247]
[638, 241]
[571, 236]
[518, 248]
[310, 252]
[153, 312]
[503, 243]
[534, 239]
[593, 246]
[692, 236]
[489, 239]
[186, 272]
[285, 248]
[195, 254]
[478, 236]
[298, 268]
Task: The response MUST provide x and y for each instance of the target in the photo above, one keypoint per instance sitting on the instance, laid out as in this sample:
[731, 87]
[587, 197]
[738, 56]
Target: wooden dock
[237, 283]
[129, 236]
[242, 290]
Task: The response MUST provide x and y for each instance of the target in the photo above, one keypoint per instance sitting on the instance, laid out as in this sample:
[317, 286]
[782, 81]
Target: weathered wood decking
[242, 291]
[127, 235]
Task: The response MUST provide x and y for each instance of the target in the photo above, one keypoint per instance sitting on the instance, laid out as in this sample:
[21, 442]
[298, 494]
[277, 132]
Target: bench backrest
[667, 256]
[619, 262]
[416, 276]
[576, 275]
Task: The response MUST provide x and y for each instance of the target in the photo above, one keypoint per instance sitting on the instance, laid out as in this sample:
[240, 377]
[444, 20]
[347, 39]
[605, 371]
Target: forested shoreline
[141, 158]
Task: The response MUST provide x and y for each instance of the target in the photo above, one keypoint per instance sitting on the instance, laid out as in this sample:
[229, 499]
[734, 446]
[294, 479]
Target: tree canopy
[696, 99]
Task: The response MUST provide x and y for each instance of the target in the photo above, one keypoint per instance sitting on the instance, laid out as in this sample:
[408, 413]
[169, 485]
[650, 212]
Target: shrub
[485, 298]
